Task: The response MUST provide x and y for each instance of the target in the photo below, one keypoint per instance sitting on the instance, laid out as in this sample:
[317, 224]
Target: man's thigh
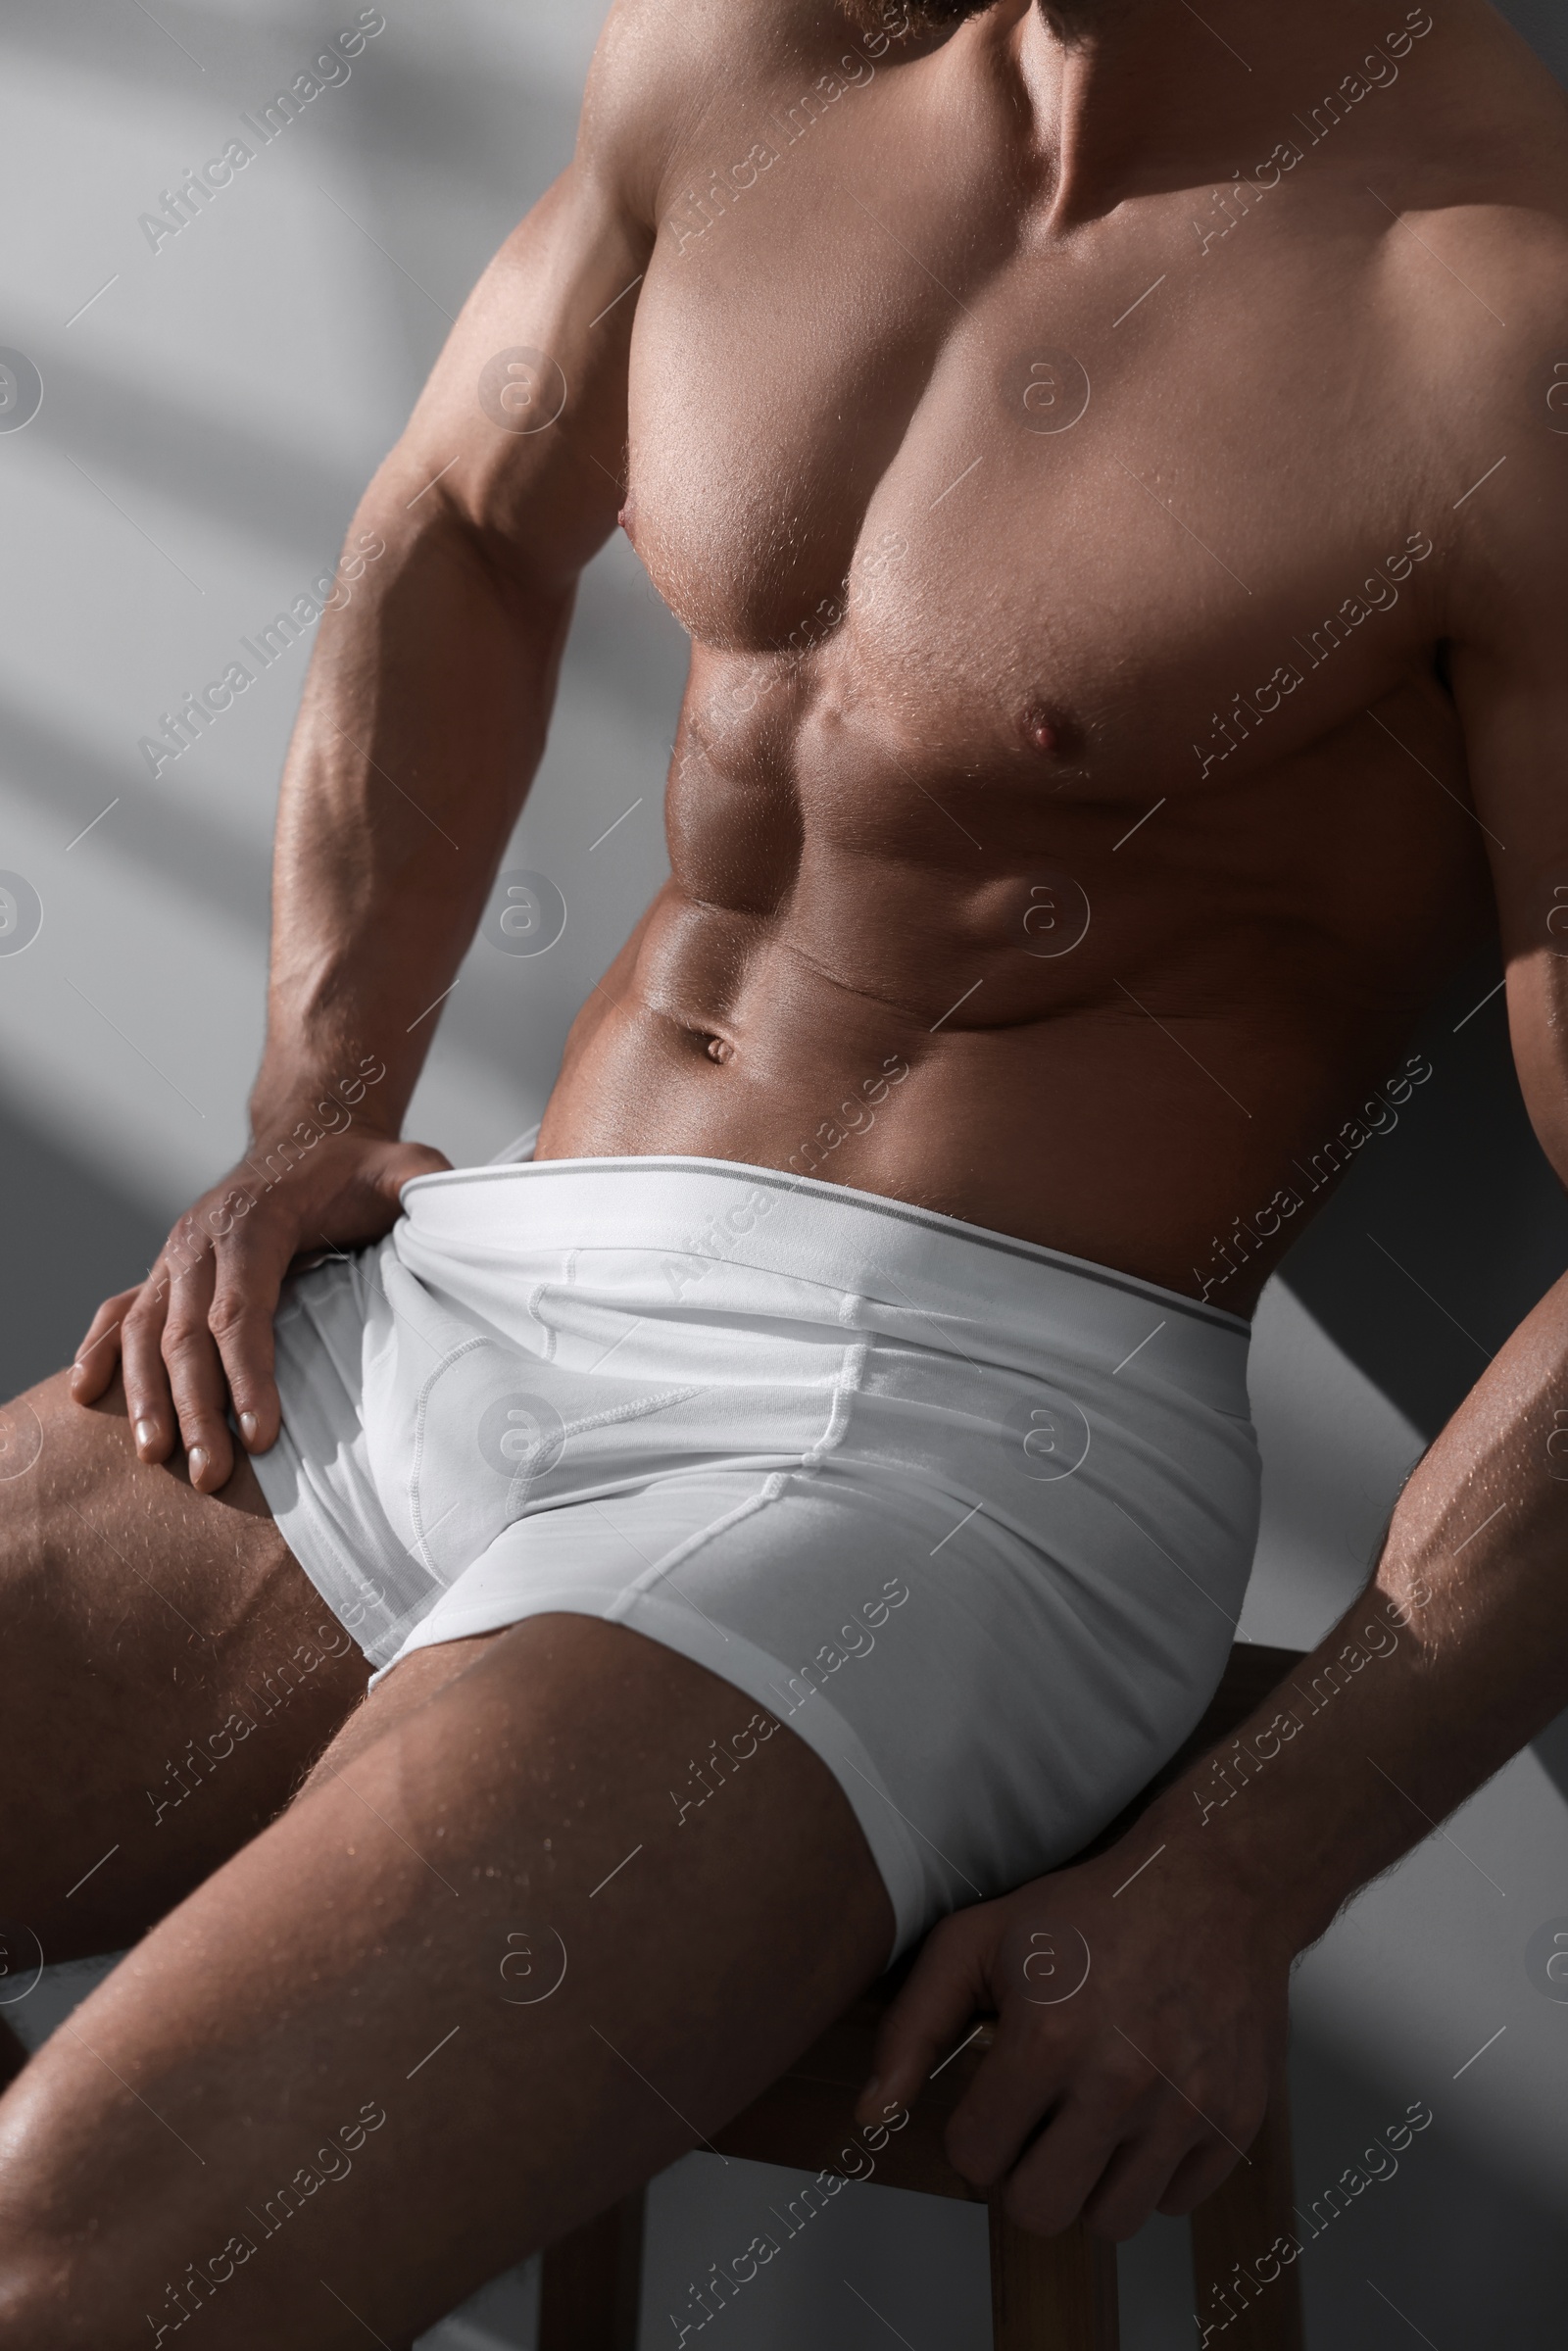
[167, 1670]
[479, 1980]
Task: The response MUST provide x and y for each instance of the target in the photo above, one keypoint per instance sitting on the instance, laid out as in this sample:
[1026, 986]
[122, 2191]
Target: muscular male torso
[1068, 817]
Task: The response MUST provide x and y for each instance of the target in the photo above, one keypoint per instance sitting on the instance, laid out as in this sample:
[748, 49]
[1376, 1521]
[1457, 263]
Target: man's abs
[1127, 1030]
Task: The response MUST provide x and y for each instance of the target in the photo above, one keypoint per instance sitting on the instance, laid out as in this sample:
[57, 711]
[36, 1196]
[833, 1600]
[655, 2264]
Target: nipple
[627, 516]
[1043, 729]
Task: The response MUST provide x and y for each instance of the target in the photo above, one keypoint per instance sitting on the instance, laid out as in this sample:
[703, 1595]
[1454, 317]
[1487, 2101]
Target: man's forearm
[422, 724]
[1455, 1656]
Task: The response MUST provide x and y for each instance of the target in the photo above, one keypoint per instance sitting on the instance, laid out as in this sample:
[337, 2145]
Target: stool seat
[1048, 2294]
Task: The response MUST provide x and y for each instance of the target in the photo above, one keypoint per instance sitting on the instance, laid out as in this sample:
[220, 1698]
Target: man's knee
[62, 2281]
[32, 2291]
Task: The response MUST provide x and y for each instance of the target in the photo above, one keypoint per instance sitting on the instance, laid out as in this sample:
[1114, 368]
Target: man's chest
[1135, 481]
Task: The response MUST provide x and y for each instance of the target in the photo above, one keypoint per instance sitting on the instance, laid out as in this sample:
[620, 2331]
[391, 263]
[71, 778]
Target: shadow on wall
[1545, 26]
[1437, 2236]
[72, 1240]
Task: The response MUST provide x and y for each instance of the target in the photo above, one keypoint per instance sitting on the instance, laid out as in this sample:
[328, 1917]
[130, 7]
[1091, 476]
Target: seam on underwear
[521, 1489]
[544, 1324]
[536, 1309]
[519, 1492]
[398, 1630]
[847, 1385]
[661, 1569]
[633, 1409]
[637, 1408]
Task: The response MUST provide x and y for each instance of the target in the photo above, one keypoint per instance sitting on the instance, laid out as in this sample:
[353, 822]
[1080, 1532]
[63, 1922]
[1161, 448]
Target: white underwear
[973, 1518]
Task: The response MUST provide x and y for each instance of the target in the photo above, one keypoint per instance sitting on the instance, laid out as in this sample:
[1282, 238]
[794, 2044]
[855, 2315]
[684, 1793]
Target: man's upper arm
[1510, 659]
[523, 417]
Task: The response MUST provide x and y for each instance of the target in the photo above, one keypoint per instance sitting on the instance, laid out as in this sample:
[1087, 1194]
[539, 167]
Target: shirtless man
[1111, 463]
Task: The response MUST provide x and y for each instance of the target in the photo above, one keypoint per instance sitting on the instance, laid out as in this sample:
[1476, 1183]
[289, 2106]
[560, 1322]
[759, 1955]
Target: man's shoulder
[1481, 327]
[1489, 165]
[1471, 201]
[669, 72]
[1483, 307]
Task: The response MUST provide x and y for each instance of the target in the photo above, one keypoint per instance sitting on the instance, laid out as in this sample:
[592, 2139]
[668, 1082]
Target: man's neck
[1129, 96]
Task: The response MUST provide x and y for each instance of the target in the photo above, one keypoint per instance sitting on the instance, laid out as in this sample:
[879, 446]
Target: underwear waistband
[960, 1275]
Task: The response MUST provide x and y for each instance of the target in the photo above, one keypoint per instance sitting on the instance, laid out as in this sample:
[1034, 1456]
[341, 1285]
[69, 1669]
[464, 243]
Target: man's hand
[1139, 2032]
[198, 1331]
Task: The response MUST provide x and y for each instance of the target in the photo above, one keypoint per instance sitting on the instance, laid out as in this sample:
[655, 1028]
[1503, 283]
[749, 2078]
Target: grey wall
[209, 412]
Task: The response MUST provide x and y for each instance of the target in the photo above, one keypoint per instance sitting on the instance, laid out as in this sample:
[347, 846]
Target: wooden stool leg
[1051, 2294]
[591, 2283]
[1234, 2237]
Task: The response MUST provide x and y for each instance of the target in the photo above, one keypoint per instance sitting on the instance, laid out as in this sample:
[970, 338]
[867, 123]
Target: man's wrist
[338, 1089]
[1274, 1861]
[1287, 1809]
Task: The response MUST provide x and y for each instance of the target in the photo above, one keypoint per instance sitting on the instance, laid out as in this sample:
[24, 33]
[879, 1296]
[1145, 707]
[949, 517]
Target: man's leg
[167, 1670]
[479, 1980]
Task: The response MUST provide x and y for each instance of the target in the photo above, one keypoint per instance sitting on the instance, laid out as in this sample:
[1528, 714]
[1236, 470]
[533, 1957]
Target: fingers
[197, 1334]
[403, 1162]
[1023, 2076]
[1123, 2143]
[1062, 2171]
[243, 1335]
[1196, 2178]
[1140, 2173]
[177, 1367]
[249, 1274]
[1087, 2122]
[176, 1393]
[149, 1406]
[1106, 2155]
[97, 1359]
[197, 1384]
[932, 2013]
[1114, 2084]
